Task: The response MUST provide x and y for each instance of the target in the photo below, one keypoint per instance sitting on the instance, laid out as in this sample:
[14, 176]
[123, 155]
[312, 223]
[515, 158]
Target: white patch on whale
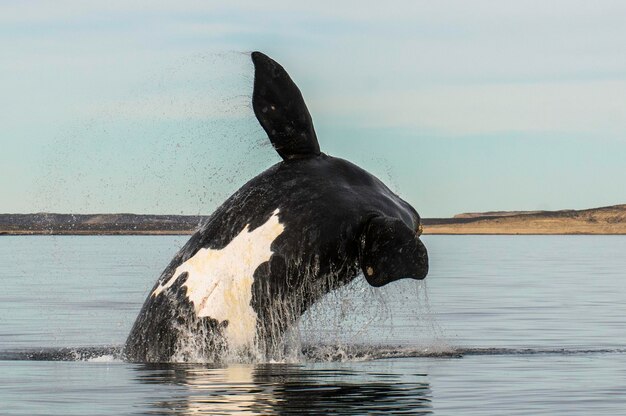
[219, 282]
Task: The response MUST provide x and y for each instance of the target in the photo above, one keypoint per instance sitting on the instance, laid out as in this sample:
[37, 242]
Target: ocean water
[503, 325]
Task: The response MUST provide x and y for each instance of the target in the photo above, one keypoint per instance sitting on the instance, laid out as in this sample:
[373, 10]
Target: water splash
[184, 130]
[93, 354]
[310, 354]
[345, 317]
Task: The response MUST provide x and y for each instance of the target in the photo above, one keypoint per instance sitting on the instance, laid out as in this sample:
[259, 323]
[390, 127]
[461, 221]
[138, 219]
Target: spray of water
[323, 319]
[190, 127]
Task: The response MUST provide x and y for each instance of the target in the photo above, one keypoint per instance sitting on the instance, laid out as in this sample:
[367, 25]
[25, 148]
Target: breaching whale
[300, 229]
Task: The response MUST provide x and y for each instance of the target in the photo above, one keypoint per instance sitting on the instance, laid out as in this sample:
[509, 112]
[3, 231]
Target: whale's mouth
[383, 280]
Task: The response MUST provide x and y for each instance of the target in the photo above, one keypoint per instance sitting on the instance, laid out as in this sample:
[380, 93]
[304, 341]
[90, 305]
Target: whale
[306, 226]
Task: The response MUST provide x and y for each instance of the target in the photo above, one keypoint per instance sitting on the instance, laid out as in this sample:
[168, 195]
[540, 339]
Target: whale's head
[390, 249]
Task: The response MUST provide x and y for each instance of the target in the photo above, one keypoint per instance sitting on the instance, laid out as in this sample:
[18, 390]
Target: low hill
[605, 220]
[97, 224]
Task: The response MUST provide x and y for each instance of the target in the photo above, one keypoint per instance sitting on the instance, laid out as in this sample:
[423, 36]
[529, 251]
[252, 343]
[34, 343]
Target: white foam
[104, 359]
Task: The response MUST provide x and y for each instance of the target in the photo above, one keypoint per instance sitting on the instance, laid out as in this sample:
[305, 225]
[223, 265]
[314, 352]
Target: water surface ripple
[511, 325]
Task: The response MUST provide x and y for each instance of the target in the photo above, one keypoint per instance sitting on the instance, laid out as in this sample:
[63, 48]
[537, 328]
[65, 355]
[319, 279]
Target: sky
[459, 106]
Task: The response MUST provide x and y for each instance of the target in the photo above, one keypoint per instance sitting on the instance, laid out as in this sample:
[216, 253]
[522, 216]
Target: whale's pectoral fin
[390, 250]
[280, 108]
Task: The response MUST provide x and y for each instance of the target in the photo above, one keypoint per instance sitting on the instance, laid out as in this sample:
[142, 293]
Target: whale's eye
[420, 229]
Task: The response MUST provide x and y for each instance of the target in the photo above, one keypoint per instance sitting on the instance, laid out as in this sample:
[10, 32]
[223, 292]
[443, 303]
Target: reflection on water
[284, 389]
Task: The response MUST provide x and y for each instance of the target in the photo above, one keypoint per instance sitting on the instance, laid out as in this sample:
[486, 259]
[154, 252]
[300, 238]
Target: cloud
[420, 13]
[591, 108]
[454, 66]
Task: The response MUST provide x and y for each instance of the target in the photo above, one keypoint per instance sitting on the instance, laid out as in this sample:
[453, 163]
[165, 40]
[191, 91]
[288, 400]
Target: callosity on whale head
[302, 228]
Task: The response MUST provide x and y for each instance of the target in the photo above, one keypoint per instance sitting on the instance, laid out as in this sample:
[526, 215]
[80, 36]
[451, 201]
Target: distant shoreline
[98, 224]
[597, 221]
